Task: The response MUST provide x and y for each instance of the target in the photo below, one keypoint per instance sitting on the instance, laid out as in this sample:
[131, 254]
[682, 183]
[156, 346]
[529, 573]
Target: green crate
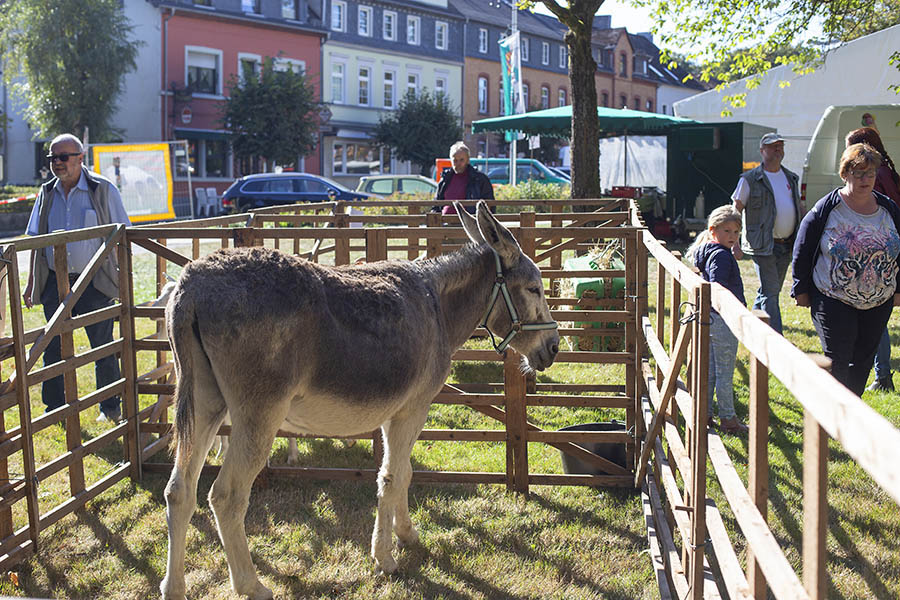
[599, 286]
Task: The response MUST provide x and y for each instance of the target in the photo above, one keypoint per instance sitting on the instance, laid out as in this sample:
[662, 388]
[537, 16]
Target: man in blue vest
[74, 199]
[769, 198]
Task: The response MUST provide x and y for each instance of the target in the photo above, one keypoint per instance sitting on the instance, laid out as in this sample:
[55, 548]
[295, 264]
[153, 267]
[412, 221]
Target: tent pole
[625, 183]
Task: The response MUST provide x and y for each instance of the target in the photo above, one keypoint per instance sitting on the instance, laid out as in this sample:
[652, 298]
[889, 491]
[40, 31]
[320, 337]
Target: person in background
[887, 181]
[74, 199]
[846, 268]
[768, 196]
[711, 252]
[463, 181]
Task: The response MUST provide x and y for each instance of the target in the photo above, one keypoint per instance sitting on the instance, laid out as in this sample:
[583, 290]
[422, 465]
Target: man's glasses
[62, 157]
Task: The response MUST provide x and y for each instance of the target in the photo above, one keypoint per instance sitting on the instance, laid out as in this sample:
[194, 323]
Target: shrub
[530, 190]
[17, 191]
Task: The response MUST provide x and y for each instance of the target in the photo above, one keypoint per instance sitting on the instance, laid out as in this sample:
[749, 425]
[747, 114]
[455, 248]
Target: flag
[511, 66]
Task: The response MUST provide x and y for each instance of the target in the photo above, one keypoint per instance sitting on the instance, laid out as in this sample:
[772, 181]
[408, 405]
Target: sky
[623, 14]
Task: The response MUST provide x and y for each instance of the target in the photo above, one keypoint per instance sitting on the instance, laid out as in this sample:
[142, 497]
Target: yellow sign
[143, 174]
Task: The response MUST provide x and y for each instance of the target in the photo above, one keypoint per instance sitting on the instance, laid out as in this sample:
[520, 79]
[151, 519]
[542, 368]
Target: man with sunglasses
[74, 199]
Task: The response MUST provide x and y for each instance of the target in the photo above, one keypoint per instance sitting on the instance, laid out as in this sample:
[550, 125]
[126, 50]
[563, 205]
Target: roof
[661, 73]
[558, 122]
[498, 13]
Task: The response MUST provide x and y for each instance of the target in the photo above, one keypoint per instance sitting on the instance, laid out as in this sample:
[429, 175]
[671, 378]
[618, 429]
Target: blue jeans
[883, 357]
[106, 369]
[771, 271]
[723, 348]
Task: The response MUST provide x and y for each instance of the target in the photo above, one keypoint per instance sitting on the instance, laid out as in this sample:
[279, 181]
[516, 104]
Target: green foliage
[66, 60]
[272, 116]
[532, 190]
[736, 40]
[421, 129]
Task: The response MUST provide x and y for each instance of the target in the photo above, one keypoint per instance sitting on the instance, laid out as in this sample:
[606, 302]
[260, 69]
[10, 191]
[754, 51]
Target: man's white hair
[68, 137]
[459, 147]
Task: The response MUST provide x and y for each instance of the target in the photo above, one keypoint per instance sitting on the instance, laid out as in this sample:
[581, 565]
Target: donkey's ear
[469, 224]
[498, 237]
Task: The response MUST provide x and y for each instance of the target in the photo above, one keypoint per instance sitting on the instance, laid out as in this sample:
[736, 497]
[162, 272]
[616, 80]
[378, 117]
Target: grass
[311, 539]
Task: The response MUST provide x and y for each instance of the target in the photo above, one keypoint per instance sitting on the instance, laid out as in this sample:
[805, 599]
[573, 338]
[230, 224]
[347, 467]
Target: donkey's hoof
[386, 566]
[410, 538]
[170, 591]
[259, 592]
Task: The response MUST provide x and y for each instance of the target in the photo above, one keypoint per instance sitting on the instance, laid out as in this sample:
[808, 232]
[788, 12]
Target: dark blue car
[271, 189]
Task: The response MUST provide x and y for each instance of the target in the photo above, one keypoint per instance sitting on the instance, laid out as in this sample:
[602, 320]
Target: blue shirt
[76, 212]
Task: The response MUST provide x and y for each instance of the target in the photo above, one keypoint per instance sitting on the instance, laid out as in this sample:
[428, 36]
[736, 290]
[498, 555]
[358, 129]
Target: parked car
[564, 174]
[271, 189]
[385, 185]
[497, 170]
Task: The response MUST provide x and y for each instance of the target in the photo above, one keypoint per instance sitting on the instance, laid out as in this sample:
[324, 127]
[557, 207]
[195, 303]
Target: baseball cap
[770, 138]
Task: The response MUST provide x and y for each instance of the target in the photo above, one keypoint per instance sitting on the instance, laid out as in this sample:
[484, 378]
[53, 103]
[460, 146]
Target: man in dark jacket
[463, 181]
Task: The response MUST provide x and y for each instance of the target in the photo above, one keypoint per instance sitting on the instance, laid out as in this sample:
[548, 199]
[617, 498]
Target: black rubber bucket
[613, 452]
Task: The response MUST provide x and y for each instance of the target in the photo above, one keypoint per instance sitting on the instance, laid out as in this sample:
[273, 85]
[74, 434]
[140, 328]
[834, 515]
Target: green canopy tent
[557, 122]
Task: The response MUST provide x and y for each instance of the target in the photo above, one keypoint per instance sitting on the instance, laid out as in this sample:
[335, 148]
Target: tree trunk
[585, 151]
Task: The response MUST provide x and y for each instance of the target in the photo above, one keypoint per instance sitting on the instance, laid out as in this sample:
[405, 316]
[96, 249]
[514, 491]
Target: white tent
[856, 73]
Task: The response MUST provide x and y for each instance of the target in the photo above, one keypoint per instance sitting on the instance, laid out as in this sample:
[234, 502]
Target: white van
[820, 170]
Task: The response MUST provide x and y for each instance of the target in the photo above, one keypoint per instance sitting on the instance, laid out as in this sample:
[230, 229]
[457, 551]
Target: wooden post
[243, 237]
[631, 306]
[413, 253]
[815, 504]
[660, 310]
[699, 441]
[70, 381]
[24, 401]
[555, 258]
[641, 312]
[341, 244]
[758, 459]
[433, 248]
[132, 440]
[674, 327]
[516, 422]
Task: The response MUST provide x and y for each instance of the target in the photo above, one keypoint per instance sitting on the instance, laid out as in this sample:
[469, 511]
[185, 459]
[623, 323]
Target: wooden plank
[758, 457]
[162, 251]
[78, 502]
[632, 267]
[516, 419]
[668, 390]
[697, 494]
[815, 507]
[657, 562]
[131, 442]
[670, 552]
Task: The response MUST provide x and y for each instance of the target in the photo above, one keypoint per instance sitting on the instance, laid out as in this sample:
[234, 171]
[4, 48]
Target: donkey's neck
[464, 281]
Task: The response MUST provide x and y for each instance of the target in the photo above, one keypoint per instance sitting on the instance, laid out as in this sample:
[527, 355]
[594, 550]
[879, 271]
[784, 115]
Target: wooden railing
[683, 516]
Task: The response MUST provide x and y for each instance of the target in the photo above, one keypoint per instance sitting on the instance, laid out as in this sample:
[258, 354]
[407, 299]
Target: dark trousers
[849, 337]
[106, 369]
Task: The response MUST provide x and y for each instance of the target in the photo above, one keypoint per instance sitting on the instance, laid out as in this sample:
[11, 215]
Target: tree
[66, 60]
[272, 115]
[578, 16]
[421, 129]
[767, 33]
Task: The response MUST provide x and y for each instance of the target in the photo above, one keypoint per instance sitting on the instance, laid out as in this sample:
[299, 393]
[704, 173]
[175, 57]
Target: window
[357, 159]
[500, 108]
[250, 6]
[623, 101]
[338, 15]
[482, 95]
[337, 83]
[389, 79]
[649, 105]
[623, 65]
[205, 158]
[290, 9]
[563, 58]
[412, 84]
[545, 97]
[545, 53]
[440, 35]
[203, 68]
[523, 41]
[637, 103]
[663, 111]
[605, 101]
[389, 25]
[413, 29]
[364, 80]
[249, 66]
[203, 3]
[440, 86]
[525, 96]
[288, 64]
[364, 21]
[561, 97]
[216, 152]
[483, 40]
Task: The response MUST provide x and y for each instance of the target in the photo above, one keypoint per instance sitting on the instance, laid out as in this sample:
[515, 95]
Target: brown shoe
[733, 425]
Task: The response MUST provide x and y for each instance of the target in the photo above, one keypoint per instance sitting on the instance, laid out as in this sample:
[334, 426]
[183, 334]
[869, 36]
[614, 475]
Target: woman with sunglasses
[845, 266]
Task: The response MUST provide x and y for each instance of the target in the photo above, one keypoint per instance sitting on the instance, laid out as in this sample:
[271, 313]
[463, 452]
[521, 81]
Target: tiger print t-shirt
[858, 264]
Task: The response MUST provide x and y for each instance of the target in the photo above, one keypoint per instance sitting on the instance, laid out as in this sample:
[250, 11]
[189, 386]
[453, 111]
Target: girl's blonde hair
[723, 214]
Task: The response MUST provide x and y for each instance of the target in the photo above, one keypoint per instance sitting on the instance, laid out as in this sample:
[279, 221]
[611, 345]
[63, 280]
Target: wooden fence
[685, 525]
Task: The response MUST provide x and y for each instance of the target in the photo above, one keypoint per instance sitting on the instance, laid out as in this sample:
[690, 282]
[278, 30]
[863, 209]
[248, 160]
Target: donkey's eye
[535, 290]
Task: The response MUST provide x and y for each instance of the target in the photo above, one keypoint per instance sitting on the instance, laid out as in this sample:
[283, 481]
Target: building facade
[376, 53]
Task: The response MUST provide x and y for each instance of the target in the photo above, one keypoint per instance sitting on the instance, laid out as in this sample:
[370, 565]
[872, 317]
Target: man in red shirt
[463, 181]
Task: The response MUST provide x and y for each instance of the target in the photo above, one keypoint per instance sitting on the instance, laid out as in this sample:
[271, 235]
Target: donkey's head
[518, 311]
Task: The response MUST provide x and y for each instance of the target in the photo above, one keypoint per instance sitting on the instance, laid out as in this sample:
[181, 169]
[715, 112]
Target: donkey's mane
[457, 267]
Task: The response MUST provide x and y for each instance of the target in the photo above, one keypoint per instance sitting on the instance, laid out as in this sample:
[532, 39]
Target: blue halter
[517, 326]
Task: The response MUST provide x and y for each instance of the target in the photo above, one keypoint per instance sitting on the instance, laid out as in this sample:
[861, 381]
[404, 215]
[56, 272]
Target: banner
[511, 67]
[143, 175]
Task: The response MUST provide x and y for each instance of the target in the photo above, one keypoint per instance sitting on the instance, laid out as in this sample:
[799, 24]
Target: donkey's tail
[184, 335]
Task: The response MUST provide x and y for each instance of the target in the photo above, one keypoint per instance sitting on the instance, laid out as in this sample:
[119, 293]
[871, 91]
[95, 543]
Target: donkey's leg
[181, 496]
[400, 433]
[229, 497]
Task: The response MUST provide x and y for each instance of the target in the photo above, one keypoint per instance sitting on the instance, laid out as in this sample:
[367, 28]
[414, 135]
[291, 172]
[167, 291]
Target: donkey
[279, 342]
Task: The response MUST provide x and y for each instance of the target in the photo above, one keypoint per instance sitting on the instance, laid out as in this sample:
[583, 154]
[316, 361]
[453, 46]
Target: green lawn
[311, 539]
